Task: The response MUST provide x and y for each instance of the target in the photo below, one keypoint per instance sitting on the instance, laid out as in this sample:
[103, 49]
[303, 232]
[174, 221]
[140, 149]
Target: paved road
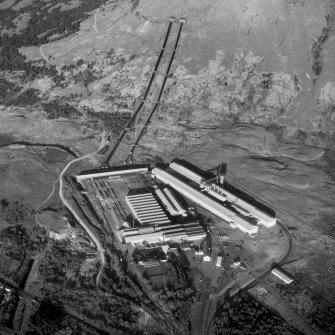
[100, 249]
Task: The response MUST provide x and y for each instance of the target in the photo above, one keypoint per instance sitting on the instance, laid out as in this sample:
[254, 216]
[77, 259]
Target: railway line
[145, 96]
[167, 72]
[145, 103]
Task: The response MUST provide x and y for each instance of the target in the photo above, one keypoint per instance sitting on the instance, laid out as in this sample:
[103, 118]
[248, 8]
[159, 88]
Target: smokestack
[221, 179]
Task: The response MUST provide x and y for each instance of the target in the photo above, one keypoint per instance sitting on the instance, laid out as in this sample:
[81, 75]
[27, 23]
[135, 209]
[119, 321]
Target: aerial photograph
[167, 167]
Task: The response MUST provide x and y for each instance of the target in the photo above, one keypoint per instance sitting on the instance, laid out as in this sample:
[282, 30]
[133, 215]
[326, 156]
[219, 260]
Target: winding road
[100, 249]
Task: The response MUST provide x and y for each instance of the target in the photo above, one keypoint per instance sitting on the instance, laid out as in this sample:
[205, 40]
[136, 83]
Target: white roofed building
[282, 275]
[163, 233]
[200, 198]
[186, 172]
[170, 202]
[243, 206]
[113, 171]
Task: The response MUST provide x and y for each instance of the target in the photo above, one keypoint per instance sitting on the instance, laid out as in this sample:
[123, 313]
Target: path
[95, 21]
[48, 198]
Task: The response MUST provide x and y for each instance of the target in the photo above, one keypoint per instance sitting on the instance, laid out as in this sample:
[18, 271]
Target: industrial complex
[151, 211]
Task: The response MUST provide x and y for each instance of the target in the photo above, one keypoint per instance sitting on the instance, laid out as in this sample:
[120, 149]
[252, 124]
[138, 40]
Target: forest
[41, 26]
[56, 110]
[315, 309]
[243, 315]
[18, 246]
[178, 295]
[112, 307]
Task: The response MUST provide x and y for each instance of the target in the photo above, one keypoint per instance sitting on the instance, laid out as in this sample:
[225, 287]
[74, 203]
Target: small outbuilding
[285, 277]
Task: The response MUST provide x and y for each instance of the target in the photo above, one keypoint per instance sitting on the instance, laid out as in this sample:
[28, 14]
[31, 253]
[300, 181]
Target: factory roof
[114, 168]
[195, 168]
[249, 199]
[282, 275]
[203, 200]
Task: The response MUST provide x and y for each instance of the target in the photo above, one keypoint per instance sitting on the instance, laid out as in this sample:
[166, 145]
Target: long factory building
[164, 233]
[242, 206]
[222, 194]
[146, 209]
[186, 172]
[204, 201]
[112, 171]
[171, 204]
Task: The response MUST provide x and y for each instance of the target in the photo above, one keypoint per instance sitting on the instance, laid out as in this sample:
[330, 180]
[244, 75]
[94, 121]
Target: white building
[150, 238]
[119, 170]
[164, 233]
[186, 172]
[219, 261]
[175, 202]
[170, 202]
[204, 201]
[243, 207]
[282, 275]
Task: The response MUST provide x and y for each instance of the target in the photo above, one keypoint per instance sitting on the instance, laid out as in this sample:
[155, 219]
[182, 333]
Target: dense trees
[26, 98]
[48, 318]
[113, 306]
[41, 26]
[17, 246]
[112, 122]
[178, 294]
[8, 89]
[309, 305]
[55, 110]
[44, 23]
[243, 315]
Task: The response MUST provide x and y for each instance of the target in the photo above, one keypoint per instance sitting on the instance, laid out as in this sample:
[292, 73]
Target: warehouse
[112, 171]
[204, 201]
[196, 236]
[243, 206]
[150, 238]
[170, 203]
[164, 233]
[282, 275]
[186, 172]
[175, 202]
[146, 209]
